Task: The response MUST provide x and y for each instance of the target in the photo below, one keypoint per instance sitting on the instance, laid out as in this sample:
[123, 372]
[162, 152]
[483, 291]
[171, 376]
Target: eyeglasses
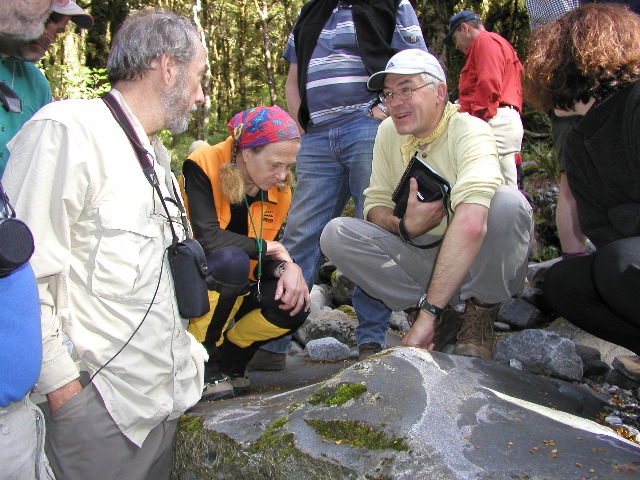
[402, 93]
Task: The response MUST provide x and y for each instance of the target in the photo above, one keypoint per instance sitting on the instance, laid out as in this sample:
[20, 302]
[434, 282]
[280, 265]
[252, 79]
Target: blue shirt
[336, 77]
[20, 335]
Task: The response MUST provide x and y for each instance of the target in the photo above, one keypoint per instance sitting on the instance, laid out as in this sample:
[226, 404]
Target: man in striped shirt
[333, 49]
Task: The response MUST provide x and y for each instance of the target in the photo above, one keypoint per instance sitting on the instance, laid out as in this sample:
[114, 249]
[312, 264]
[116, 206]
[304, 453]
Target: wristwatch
[281, 269]
[382, 107]
[427, 307]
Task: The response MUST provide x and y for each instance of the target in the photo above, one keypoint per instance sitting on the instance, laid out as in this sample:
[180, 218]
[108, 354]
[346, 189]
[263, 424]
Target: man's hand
[422, 332]
[292, 290]
[59, 397]
[421, 217]
[378, 114]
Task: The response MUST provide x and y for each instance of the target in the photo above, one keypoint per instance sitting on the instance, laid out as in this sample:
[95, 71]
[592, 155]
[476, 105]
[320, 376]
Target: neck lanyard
[258, 237]
[146, 165]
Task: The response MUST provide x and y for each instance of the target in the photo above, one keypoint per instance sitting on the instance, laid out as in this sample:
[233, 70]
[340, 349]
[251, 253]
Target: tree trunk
[262, 10]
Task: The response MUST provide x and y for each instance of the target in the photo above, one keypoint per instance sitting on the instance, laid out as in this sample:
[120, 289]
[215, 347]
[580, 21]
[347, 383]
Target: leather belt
[506, 105]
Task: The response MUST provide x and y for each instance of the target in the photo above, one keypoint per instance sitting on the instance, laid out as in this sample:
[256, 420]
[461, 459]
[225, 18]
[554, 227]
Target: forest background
[245, 39]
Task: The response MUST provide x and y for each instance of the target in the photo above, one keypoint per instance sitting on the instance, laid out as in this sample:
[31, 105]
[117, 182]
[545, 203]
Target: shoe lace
[476, 327]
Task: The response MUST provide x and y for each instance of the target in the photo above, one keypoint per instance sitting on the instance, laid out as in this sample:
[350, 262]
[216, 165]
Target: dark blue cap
[457, 20]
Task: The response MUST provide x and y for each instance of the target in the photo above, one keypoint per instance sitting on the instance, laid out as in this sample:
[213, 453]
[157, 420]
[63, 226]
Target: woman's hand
[292, 289]
[277, 251]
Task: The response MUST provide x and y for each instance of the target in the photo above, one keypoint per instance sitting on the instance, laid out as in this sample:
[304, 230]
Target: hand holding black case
[431, 186]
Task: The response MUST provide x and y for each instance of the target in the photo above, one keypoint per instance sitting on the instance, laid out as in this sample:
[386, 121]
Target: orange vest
[276, 206]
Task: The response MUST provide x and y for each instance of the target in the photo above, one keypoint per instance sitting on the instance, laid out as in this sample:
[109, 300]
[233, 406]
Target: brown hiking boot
[367, 349]
[447, 328]
[475, 338]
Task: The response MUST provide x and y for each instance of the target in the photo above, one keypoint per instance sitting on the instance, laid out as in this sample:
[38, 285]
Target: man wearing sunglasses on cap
[23, 88]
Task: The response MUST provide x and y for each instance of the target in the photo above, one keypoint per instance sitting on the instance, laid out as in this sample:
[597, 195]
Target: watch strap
[431, 309]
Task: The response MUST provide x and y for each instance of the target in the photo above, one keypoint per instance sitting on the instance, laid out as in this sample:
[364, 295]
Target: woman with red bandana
[238, 196]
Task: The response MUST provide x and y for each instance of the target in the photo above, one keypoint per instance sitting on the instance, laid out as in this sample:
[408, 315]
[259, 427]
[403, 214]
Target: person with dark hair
[587, 63]
[119, 367]
[490, 86]
[572, 241]
[239, 193]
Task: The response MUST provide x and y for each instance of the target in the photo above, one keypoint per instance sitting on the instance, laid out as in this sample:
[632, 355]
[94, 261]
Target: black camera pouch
[16, 240]
[16, 245]
[189, 270]
[431, 187]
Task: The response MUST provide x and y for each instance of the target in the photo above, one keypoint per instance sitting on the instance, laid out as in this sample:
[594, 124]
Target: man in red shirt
[490, 85]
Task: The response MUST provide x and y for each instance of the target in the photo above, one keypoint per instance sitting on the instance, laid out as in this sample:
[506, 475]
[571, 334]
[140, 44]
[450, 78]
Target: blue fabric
[332, 166]
[337, 78]
[229, 265]
[373, 318]
[32, 87]
[20, 335]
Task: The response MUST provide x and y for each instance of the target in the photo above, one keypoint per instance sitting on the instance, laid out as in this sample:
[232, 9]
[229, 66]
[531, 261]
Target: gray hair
[431, 81]
[144, 37]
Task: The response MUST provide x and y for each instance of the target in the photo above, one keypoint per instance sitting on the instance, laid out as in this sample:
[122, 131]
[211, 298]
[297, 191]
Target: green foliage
[544, 157]
[356, 435]
[76, 81]
[342, 394]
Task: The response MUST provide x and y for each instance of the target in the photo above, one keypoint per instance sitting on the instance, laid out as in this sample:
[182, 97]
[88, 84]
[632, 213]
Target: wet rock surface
[416, 415]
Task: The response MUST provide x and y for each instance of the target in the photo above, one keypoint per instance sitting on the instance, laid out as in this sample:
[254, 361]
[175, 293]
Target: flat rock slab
[455, 417]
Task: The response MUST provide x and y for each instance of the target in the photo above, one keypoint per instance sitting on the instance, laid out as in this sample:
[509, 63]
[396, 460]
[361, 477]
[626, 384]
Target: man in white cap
[24, 18]
[26, 81]
[478, 246]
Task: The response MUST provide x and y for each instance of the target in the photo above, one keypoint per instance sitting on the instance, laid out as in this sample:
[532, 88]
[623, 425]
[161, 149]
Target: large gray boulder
[407, 414]
[541, 352]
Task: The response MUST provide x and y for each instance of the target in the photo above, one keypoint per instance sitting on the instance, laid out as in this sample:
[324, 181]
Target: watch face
[423, 299]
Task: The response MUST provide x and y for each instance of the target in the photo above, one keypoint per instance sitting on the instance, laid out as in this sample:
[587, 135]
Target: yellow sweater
[465, 154]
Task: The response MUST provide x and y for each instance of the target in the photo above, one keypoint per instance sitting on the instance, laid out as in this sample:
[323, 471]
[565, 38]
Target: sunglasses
[10, 99]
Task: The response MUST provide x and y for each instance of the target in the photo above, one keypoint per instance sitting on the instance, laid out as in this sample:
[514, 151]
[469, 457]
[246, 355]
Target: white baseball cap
[78, 15]
[408, 62]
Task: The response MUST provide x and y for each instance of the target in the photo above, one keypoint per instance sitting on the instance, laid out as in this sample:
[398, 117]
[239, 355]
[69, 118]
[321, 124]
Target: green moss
[338, 396]
[201, 452]
[356, 434]
[348, 310]
[273, 440]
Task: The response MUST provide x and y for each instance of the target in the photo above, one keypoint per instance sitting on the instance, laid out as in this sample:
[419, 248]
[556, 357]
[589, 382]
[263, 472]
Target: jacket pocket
[128, 254]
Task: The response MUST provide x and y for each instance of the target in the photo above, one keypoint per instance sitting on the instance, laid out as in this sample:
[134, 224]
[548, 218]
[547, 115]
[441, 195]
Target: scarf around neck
[413, 143]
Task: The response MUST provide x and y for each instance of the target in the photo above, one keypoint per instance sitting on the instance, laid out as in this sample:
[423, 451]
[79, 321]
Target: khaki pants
[22, 434]
[508, 130]
[83, 442]
[397, 273]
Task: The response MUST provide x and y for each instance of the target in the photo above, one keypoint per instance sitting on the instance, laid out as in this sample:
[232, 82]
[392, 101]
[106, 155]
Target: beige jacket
[101, 234]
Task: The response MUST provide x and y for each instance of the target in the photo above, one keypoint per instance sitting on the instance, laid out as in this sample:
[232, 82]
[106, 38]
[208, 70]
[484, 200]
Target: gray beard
[175, 102]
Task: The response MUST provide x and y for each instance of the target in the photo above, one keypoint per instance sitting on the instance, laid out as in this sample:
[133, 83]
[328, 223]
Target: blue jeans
[332, 166]
[373, 318]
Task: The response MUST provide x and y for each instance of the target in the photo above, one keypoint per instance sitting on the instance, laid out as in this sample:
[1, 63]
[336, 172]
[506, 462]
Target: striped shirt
[337, 77]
